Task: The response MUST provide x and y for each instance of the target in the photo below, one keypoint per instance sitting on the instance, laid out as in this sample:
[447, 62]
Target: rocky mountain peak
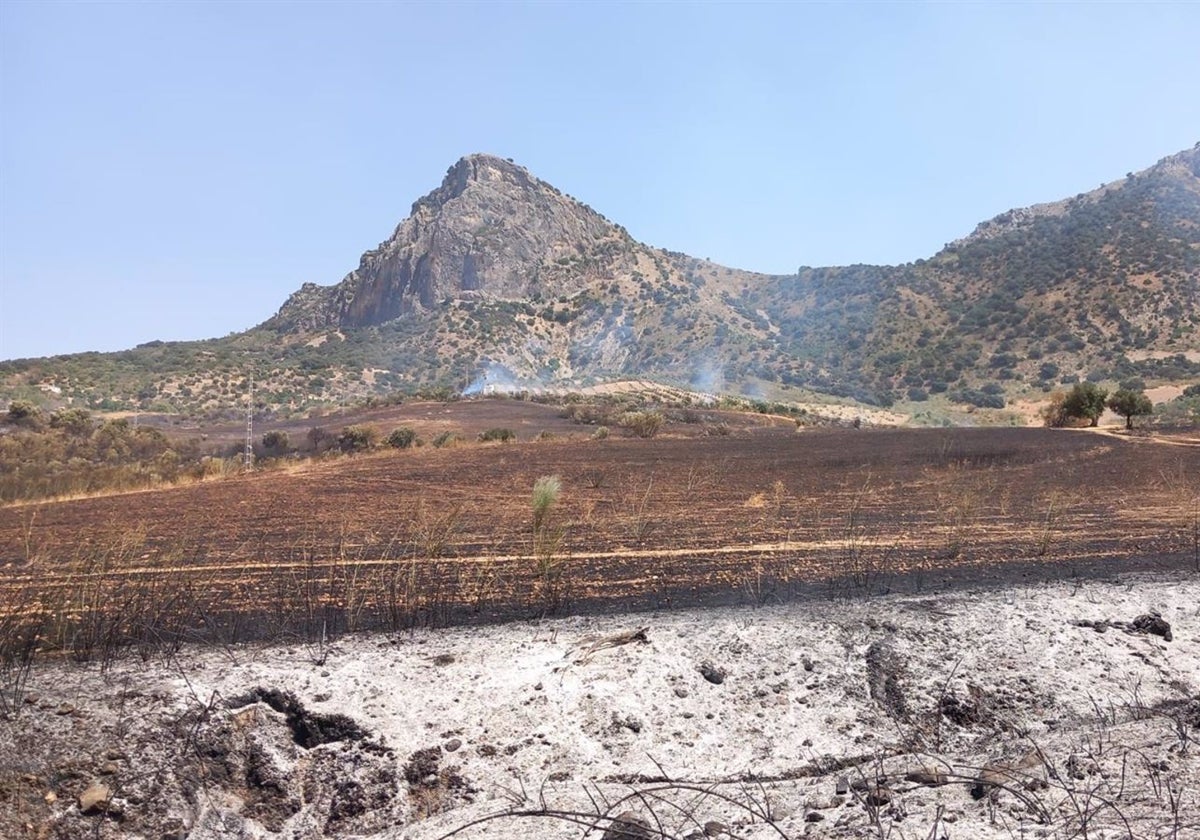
[490, 230]
[479, 169]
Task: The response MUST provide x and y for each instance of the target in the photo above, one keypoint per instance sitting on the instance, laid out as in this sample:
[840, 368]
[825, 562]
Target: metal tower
[249, 460]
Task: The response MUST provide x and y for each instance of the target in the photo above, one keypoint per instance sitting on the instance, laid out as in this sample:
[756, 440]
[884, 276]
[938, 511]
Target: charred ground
[446, 536]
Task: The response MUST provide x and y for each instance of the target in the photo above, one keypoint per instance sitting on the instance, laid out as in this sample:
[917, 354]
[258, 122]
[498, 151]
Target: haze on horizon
[174, 171]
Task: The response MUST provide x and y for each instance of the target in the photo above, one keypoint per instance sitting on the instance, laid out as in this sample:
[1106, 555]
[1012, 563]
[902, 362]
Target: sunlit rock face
[491, 230]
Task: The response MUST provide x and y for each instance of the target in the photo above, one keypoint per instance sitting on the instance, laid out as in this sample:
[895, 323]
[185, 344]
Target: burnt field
[445, 536]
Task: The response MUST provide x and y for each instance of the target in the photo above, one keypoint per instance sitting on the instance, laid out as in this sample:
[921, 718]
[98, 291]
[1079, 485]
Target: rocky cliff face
[490, 231]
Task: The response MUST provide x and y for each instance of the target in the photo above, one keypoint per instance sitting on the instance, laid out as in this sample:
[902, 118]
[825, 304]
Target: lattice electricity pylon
[249, 461]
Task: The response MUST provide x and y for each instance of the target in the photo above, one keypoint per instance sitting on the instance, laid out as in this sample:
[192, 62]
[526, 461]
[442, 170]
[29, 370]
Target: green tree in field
[356, 438]
[1129, 404]
[1086, 401]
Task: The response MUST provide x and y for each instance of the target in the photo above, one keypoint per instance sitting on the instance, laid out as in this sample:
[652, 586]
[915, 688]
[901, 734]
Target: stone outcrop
[491, 230]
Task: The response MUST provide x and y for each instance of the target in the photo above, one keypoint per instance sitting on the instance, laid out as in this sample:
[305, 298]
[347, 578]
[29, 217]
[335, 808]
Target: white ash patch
[834, 719]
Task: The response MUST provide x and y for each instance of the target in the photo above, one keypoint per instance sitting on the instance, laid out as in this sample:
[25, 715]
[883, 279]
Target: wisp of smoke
[753, 391]
[709, 380]
[495, 379]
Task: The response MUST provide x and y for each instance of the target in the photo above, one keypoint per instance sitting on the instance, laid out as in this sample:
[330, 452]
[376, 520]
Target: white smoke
[709, 380]
[495, 379]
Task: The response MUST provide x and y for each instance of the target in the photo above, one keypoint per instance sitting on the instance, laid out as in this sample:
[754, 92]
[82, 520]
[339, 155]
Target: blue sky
[175, 170]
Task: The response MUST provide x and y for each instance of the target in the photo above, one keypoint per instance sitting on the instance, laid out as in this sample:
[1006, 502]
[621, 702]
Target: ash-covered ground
[1058, 710]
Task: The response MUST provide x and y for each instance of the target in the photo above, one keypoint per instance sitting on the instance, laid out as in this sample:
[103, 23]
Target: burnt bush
[309, 729]
[497, 435]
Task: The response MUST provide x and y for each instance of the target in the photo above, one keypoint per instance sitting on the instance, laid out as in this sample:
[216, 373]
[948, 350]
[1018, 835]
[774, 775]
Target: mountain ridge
[497, 272]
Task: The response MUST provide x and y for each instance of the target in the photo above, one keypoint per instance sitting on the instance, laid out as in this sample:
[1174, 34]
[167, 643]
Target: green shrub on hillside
[357, 438]
[644, 424]
[74, 421]
[23, 413]
[402, 438]
[978, 398]
[68, 458]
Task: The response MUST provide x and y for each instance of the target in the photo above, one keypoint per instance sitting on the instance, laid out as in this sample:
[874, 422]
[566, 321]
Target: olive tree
[357, 438]
[1085, 401]
[1129, 404]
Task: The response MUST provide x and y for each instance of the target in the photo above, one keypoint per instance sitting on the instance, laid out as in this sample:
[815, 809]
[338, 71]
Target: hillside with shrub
[498, 280]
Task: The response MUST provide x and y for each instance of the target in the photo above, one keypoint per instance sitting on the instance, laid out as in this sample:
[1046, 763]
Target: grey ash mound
[1024, 712]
